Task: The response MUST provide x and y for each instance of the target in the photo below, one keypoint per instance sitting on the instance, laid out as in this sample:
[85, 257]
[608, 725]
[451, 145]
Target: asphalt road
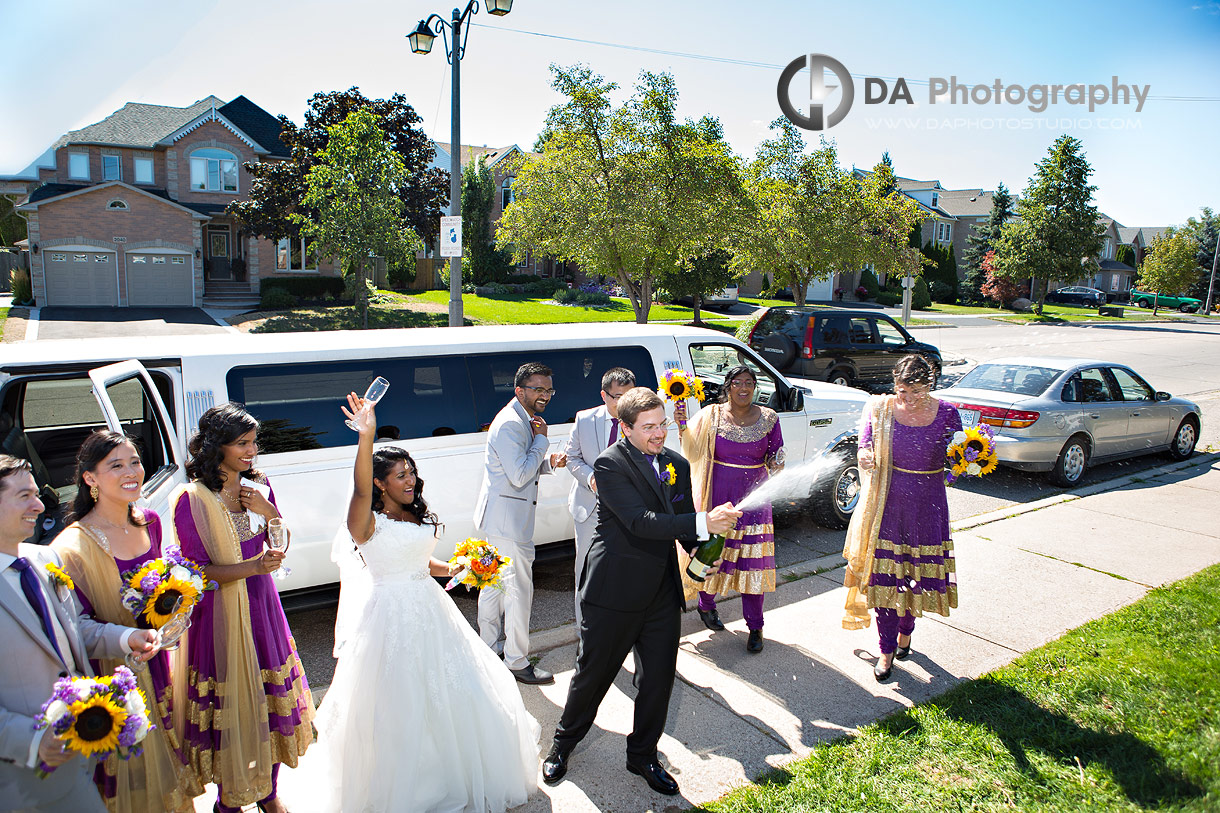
[1179, 357]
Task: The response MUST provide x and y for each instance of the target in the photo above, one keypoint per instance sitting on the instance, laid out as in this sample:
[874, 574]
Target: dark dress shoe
[882, 675]
[755, 644]
[555, 766]
[902, 652]
[533, 676]
[711, 619]
[657, 777]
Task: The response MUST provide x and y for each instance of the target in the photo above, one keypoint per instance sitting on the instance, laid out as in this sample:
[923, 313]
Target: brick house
[130, 210]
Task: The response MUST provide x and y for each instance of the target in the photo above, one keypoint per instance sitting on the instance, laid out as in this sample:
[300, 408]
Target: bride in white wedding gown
[421, 715]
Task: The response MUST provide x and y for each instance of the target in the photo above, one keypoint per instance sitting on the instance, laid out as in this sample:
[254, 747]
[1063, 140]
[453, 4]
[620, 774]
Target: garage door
[81, 278]
[159, 280]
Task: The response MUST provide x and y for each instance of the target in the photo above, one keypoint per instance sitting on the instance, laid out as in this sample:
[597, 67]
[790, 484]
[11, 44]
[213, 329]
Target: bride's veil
[355, 584]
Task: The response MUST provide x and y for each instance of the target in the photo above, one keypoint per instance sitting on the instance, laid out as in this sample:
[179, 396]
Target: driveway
[94, 323]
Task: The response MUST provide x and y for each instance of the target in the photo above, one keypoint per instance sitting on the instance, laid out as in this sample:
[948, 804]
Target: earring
[93, 492]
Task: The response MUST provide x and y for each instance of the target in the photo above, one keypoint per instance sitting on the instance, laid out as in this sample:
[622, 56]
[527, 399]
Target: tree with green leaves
[354, 190]
[12, 223]
[1170, 267]
[699, 277]
[982, 241]
[1205, 229]
[482, 262]
[1126, 255]
[814, 220]
[1056, 229]
[277, 189]
[632, 192]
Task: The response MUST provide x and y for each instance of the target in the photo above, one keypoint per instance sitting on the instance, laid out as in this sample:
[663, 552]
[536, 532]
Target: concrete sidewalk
[1025, 579]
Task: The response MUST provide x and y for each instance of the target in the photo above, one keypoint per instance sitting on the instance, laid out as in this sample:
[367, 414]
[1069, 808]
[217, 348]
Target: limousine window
[297, 405]
[712, 361]
[577, 377]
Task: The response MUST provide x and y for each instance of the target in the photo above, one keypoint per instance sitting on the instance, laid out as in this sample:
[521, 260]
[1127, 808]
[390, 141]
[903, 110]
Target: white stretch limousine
[446, 385]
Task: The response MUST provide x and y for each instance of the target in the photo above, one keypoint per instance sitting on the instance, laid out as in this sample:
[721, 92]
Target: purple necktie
[651, 458]
[613, 431]
[33, 594]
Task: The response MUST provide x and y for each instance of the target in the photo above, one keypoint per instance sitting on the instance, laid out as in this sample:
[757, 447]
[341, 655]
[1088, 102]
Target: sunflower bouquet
[678, 385]
[96, 716]
[153, 590]
[971, 453]
[482, 565]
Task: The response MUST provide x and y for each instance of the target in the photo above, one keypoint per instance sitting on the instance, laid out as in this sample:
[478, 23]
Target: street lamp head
[421, 38]
[498, 8]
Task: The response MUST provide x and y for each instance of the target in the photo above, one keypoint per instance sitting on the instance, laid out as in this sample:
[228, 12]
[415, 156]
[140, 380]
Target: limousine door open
[139, 412]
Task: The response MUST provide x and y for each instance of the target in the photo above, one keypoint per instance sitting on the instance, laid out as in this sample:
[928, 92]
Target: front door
[218, 253]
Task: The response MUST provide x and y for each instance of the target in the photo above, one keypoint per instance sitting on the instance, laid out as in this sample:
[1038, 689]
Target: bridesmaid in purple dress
[240, 660]
[912, 568]
[732, 447]
[108, 538]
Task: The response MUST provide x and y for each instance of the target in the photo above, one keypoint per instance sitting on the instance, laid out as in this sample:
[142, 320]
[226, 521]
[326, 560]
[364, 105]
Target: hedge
[305, 287]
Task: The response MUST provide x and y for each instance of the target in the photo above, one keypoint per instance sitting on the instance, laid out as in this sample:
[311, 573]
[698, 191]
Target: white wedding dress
[421, 716]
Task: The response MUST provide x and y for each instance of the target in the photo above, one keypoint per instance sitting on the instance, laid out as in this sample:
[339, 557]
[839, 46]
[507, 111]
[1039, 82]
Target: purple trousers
[275, 780]
[890, 625]
[751, 607]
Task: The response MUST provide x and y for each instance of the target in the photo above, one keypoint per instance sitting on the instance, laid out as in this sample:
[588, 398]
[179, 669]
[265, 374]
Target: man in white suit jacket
[593, 431]
[515, 457]
[32, 661]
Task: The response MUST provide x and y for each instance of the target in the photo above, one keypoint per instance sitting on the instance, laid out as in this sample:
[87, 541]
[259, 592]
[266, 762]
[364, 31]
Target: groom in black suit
[630, 587]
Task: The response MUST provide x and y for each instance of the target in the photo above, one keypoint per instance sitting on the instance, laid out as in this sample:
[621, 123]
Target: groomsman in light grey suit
[43, 637]
[594, 430]
[516, 456]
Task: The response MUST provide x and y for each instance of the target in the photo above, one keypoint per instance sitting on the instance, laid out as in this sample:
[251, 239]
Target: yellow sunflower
[98, 723]
[671, 474]
[59, 576]
[676, 388]
[988, 463]
[159, 608]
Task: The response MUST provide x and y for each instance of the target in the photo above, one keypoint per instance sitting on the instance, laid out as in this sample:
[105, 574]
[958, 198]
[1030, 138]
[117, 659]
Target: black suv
[857, 348]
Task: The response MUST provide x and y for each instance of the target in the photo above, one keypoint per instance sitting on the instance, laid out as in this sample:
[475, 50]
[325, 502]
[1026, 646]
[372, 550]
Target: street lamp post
[455, 48]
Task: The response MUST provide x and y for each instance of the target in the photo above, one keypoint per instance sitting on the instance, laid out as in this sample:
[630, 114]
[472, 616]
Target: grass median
[1122, 713]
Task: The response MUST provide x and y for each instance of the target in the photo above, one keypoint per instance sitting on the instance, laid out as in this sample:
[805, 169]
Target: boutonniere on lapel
[669, 475]
[61, 580]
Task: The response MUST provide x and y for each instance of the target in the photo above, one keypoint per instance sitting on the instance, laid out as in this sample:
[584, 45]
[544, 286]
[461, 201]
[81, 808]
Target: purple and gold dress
[738, 467]
[913, 568]
[289, 703]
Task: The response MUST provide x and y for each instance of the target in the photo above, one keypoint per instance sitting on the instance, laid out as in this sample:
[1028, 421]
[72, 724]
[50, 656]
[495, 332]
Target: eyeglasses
[541, 390]
[615, 397]
[650, 428]
[742, 385]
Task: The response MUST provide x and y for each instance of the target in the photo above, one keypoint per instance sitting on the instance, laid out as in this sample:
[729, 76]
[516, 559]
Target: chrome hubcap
[1186, 438]
[847, 490]
[1073, 462]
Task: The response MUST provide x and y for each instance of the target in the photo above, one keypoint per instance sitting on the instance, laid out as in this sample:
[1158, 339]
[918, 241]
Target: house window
[78, 166]
[112, 169]
[139, 258]
[101, 258]
[117, 205]
[935, 198]
[80, 258]
[506, 193]
[59, 258]
[144, 170]
[213, 170]
[158, 261]
[176, 261]
[297, 254]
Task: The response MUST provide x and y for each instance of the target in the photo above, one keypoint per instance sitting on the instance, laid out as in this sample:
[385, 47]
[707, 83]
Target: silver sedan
[1060, 415]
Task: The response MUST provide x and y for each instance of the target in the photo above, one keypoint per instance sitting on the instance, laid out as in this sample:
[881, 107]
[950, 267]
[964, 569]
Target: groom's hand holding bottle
[720, 520]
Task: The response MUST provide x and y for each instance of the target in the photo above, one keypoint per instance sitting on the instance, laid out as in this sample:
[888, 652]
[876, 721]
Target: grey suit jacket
[589, 438]
[512, 463]
[29, 668]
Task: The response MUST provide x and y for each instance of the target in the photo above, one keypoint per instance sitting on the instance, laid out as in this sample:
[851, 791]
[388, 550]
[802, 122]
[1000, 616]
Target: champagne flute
[372, 395]
[277, 539]
[178, 627]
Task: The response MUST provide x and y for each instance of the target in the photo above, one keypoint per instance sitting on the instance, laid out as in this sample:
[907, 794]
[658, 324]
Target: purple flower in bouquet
[124, 679]
[149, 583]
[971, 454]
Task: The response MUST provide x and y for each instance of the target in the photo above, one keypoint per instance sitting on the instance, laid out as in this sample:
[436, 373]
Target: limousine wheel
[835, 497]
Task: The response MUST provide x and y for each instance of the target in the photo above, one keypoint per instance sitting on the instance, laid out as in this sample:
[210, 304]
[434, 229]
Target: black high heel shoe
[902, 652]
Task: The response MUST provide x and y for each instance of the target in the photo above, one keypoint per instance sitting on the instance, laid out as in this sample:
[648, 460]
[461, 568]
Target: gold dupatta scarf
[699, 449]
[242, 764]
[158, 779]
[866, 519]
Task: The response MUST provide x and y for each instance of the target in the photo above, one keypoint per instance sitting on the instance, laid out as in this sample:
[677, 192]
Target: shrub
[585, 295]
[305, 287]
[920, 299]
[543, 287]
[23, 291]
[942, 292]
[399, 274]
[276, 299]
[889, 298]
[747, 325]
[868, 281]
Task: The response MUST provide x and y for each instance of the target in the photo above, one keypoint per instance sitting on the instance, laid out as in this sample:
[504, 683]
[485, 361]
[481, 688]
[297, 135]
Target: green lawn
[3, 319]
[1122, 713]
[1066, 313]
[508, 309]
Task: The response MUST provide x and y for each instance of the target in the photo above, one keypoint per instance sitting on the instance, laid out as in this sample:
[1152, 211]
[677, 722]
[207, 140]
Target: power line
[753, 64]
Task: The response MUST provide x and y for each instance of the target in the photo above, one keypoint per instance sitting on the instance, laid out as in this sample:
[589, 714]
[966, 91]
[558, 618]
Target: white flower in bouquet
[974, 469]
[55, 710]
[959, 437]
[136, 707]
[181, 573]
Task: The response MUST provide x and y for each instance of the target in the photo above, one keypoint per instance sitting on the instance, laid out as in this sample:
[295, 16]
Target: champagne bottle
[705, 556]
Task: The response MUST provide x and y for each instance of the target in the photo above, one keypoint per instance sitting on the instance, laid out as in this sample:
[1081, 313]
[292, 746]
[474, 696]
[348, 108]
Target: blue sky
[72, 63]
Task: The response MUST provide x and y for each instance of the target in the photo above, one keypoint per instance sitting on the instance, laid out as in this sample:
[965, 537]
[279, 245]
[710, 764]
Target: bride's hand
[366, 420]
